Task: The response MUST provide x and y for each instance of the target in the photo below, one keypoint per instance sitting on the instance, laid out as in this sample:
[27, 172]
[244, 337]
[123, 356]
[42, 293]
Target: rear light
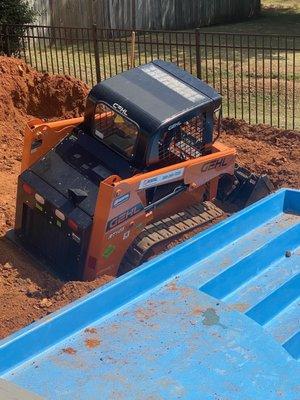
[27, 189]
[72, 224]
[60, 215]
[39, 198]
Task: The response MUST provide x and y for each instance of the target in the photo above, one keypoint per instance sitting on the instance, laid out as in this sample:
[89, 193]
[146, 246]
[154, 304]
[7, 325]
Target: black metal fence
[258, 75]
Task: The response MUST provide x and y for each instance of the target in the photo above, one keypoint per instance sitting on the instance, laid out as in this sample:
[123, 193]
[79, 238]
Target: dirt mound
[29, 292]
[266, 150]
[25, 92]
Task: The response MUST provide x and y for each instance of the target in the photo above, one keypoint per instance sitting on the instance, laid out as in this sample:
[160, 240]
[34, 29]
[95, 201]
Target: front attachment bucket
[245, 188]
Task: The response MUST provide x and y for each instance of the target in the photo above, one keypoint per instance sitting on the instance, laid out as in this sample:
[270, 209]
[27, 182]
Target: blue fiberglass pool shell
[216, 317]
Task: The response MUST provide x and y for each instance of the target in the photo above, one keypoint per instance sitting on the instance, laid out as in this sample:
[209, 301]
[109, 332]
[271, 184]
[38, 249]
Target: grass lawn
[269, 101]
[259, 78]
[277, 16]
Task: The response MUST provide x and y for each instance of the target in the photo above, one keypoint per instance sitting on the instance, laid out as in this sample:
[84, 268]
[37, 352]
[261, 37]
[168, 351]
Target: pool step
[264, 281]
[252, 265]
[268, 281]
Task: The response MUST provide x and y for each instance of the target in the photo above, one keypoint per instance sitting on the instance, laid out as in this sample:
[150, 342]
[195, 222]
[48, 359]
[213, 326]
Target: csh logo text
[214, 164]
[121, 109]
[113, 223]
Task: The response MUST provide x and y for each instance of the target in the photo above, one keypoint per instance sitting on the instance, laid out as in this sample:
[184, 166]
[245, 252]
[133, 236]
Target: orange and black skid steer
[97, 194]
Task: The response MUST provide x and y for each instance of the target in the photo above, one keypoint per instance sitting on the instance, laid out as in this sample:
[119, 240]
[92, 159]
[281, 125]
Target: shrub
[14, 15]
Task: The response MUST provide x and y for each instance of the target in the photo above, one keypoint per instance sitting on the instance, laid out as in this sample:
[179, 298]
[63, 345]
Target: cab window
[115, 130]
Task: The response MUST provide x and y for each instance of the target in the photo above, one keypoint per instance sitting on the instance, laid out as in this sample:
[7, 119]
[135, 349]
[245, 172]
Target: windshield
[115, 130]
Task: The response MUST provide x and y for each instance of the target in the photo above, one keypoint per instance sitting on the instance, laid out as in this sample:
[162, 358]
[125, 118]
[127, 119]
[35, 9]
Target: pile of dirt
[265, 150]
[29, 292]
[25, 94]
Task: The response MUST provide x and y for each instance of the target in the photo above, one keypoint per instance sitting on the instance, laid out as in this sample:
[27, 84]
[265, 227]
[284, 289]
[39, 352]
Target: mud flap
[244, 188]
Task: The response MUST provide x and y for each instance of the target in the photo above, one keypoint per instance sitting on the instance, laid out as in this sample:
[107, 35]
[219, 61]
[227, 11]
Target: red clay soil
[29, 292]
[266, 150]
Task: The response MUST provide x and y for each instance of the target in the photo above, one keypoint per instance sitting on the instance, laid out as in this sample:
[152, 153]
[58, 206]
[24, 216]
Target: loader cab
[153, 115]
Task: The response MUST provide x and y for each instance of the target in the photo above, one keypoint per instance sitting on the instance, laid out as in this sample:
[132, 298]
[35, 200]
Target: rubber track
[166, 229]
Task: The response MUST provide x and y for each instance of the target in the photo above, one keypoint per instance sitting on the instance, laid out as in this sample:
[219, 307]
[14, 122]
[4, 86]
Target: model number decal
[124, 216]
[214, 164]
[116, 233]
[121, 199]
[162, 178]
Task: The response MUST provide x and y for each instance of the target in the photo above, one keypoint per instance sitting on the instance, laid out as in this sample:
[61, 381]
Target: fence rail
[258, 75]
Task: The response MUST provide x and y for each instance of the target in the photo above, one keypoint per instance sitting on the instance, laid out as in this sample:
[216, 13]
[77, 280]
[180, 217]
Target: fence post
[133, 15]
[198, 53]
[96, 51]
[7, 47]
[132, 58]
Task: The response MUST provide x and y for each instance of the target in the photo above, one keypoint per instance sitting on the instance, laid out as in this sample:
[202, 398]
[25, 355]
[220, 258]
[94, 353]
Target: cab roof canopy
[156, 95]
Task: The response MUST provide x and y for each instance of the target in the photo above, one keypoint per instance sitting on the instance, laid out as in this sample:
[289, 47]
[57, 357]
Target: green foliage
[14, 15]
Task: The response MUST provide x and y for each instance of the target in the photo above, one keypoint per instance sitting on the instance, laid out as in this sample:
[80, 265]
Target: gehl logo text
[113, 223]
[214, 164]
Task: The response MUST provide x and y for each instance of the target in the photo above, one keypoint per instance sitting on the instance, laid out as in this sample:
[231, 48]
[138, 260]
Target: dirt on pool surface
[29, 292]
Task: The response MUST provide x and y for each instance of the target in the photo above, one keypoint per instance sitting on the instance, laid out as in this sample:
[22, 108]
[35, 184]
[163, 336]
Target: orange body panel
[118, 223]
[119, 214]
[48, 134]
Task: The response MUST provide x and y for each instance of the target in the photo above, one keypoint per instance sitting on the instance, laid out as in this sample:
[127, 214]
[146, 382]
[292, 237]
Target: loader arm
[41, 136]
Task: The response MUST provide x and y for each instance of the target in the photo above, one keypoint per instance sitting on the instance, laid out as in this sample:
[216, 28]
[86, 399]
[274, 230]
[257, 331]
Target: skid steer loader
[97, 194]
